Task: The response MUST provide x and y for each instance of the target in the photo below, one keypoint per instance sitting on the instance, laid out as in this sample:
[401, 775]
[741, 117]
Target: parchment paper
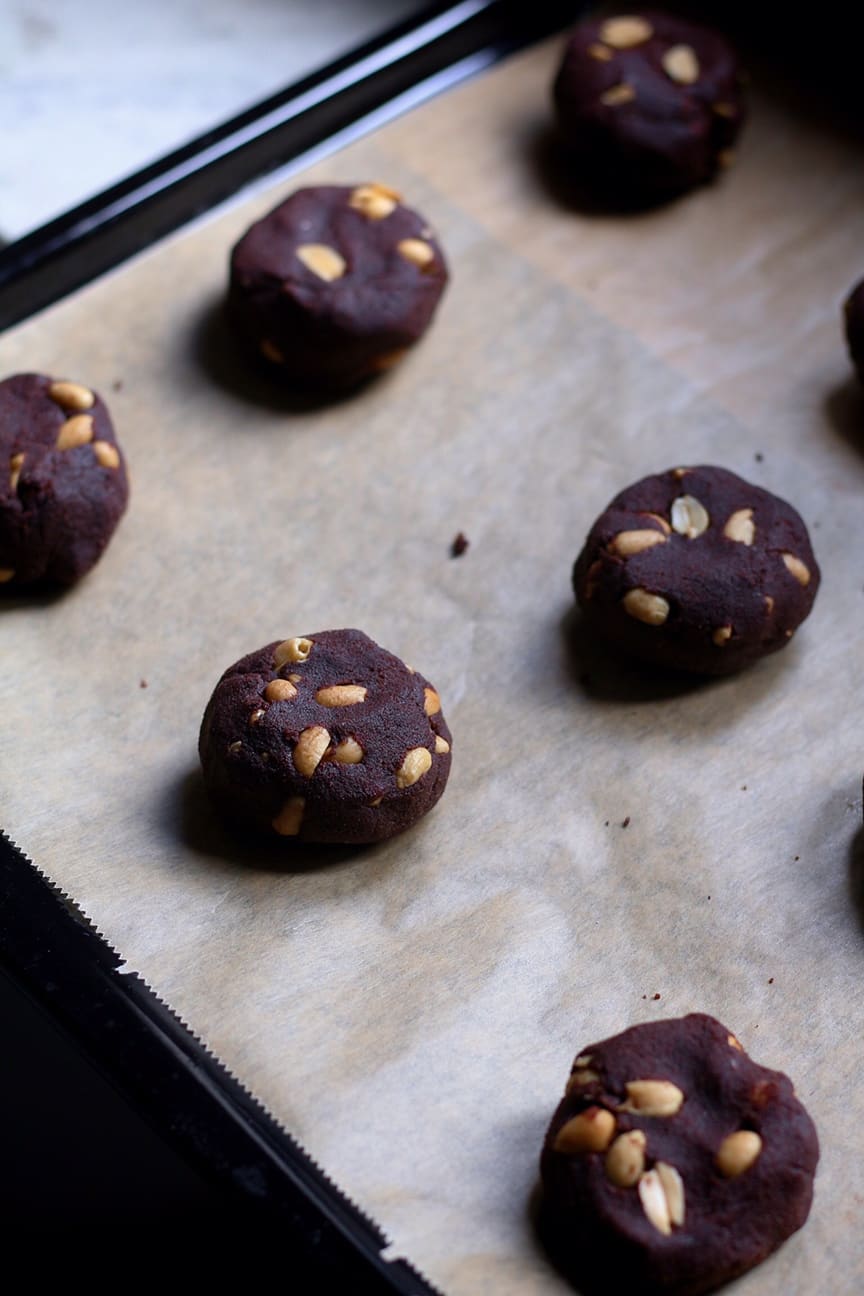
[410, 1012]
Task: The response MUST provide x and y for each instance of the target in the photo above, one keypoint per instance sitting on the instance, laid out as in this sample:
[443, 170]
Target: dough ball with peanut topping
[648, 105]
[336, 284]
[63, 484]
[325, 738]
[674, 1162]
[698, 570]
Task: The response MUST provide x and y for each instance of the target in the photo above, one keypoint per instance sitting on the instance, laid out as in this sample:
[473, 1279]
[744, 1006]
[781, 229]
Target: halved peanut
[374, 201]
[71, 396]
[323, 261]
[650, 608]
[348, 752]
[625, 1160]
[738, 1152]
[653, 1098]
[339, 695]
[107, 455]
[235, 747]
[417, 251]
[722, 635]
[673, 1187]
[740, 527]
[6, 574]
[431, 701]
[625, 31]
[257, 715]
[654, 1203]
[626, 543]
[417, 762]
[280, 690]
[600, 52]
[287, 822]
[442, 746]
[689, 516]
[589, 1131]
[291, 650]
[797, 568]
[309, 748]
[681, 64]
[76, 431]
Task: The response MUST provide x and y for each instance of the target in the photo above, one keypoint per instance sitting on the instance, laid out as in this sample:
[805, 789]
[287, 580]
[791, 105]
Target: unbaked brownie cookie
[326, 738]
[648, 105]
[674, 1162]
[336, 284]
[698, 570]
[63, 485]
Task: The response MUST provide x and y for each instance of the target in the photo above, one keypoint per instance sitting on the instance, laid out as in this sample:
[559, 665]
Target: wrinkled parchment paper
[410, 1012]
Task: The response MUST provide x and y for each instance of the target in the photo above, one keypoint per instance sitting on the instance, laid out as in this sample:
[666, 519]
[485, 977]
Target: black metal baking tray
[48, 948]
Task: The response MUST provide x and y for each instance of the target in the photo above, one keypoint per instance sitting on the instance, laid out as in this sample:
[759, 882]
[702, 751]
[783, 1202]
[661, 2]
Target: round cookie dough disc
[674, 1162]
[63, 484]
[698, 570]
[325, 738]
[335, 284]
[648, 105]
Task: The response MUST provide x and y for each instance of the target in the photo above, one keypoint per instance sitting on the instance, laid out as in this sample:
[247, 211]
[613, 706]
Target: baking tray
[648, 366]
[47, 945]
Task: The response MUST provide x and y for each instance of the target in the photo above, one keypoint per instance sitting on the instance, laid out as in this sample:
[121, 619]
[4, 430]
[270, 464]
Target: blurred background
[91, 90]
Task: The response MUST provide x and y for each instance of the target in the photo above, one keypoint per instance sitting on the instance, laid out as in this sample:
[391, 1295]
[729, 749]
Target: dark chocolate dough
[698, 570]
[335, 284]
[325, 738]
[674, 1162]
[63, 484]
[648, 105]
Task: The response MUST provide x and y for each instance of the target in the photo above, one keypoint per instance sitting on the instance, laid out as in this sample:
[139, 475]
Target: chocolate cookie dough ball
[853, 314]
[674, 1162]
[698, 570]
[336, 284]
[63, 485]
[325, 738]
[648, 105]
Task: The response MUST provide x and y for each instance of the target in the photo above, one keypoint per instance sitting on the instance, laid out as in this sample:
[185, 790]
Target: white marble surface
[91, 90]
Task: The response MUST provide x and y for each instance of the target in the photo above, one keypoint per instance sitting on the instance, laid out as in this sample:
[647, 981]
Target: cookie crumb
[625, 823]
[770, 980]
[459, 545]
[758, 456]
[743, 787]
[117, 385]
[797, 858]
[606, 824]
[142, 683]
[655, 996]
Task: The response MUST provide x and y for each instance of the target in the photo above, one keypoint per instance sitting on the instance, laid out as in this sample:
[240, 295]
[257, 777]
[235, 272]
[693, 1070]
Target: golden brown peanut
[589, 1131]
[71, 396]
[417, 762]
[309, 748]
